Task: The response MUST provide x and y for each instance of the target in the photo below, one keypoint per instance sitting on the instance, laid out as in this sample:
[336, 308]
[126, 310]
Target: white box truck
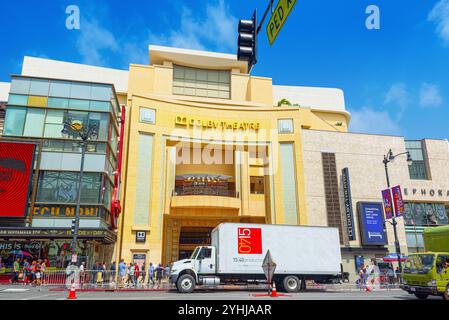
[238, 250]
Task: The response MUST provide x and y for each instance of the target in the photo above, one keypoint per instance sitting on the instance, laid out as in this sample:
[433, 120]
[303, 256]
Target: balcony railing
[202, 191]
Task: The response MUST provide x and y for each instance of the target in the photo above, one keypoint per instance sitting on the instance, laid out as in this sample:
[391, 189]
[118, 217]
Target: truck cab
[427, 273]
[199, 269]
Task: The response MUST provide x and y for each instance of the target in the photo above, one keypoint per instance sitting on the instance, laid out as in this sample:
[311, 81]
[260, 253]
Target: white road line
[40, 296]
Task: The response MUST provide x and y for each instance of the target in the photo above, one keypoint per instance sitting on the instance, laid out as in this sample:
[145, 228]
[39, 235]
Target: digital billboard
[371, 222]
[16, 165]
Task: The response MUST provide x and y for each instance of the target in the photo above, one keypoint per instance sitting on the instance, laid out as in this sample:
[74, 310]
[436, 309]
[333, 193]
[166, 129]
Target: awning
[393, 257]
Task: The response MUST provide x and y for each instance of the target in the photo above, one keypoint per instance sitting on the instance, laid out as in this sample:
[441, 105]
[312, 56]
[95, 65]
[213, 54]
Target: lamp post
[389, 157]
[84, 134]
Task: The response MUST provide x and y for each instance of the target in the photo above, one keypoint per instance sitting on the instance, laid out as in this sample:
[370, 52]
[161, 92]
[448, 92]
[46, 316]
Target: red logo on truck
[250, 240]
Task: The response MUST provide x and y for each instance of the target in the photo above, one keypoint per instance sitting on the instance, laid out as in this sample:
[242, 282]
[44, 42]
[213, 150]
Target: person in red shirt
[136, 273]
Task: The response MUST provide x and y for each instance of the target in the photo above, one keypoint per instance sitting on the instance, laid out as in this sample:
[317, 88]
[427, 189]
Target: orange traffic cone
[72, 293]
[274, 293]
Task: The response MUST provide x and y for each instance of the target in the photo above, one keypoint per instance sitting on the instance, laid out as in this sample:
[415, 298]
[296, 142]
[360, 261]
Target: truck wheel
[185, 283]
[421, 296]
[291, 284]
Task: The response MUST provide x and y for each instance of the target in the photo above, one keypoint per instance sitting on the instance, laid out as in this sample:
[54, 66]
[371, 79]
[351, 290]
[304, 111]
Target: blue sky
[395, 79]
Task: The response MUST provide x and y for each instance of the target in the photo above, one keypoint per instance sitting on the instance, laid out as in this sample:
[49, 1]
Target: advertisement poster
[386, 196]
[398, 202]
[348, 204]
[371, 220]
[16, 163]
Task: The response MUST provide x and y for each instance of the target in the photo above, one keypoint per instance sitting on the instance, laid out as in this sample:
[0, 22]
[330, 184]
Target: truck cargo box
[241, 248]
[436, 239]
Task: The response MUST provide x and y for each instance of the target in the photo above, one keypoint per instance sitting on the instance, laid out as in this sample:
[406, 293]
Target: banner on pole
[398, 201]
[386, 197]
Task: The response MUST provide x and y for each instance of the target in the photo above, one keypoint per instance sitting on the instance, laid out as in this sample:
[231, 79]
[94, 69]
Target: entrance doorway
[192, 237]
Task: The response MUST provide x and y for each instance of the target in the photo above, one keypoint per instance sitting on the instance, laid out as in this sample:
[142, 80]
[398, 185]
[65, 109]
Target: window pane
[58, 103]
[53, 145]
[60, 89]
[100, 106]
[21, 86]
[37, 101]
[14, 121]
[91, 187]
[101, 92]
[79, 104]
[224, 76]
[212, 76]
[285, 125]
[53, 124]
[190, 74]
[101, 120]
[80, 91]
[17, 100]
[178, 72]
[55, 116]
[34, 124]
[39, 87]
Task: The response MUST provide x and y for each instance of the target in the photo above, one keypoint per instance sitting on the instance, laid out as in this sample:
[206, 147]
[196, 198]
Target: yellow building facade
[205, 143]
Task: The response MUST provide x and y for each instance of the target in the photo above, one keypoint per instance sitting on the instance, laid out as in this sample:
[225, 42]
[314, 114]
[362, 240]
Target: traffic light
[73, 226]
[247, 41]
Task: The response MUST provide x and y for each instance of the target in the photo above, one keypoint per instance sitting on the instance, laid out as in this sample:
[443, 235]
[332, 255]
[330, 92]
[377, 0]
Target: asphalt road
[23, 293]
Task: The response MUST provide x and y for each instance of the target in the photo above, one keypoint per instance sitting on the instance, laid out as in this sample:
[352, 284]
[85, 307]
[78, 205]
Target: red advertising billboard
[388, 206]
[398, 202]
[16, 165]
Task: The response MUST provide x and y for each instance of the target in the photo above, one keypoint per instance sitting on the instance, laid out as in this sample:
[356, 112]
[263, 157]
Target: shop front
[54, 245]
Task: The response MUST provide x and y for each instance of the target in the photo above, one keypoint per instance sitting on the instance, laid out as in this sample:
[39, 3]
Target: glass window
[418, 169]
[101, 120]
[17, 100]
[54, 124]
[79, 104]
[257, 185]
[285, 125]
[34, 124]
[61, 187]
[60, 89]
[14, 121]
[100, 106]
[147, 115]
[53, 145]
[35, 101]
[60, 103]
[201, 82]
[80, 91]
[20, 86]
[39, 87]
[101, 92]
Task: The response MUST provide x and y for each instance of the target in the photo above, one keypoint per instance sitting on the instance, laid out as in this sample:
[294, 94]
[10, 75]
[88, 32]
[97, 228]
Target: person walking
[142, 275]
[43, 270]
[151, 274]
[122, 272]
[33, 273]
[25, 271]
[398, 275]
[390, 275]
[136, 274]
[82, 274]
[131, 274]
[112, 273]
[159, 272]
[38, 273]
[16, 271]
[94, 272]
[167, 272]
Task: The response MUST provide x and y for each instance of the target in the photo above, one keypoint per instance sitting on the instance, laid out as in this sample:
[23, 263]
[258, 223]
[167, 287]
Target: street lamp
[85, 134]
[389, 157]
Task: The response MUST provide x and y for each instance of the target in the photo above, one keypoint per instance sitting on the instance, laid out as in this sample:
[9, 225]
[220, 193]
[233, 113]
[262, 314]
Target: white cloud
[367, 120]
[440, 16]
[216, 31]
[95, 43]
[429, 95]
[399, 95]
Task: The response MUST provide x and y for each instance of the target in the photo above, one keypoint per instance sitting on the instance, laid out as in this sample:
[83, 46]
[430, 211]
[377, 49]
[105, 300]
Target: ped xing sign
[278, 18]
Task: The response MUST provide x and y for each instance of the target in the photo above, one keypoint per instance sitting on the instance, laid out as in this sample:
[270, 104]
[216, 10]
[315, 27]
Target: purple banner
[398, 202]
[386, 197]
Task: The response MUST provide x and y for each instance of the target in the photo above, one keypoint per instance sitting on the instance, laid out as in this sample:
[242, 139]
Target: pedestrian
[100, 273]
[131, 270]
[82, 274]
[94, 272]
[142, 274]
[136, 274]
[167, 272]
[38, 273]
[159, 272]
[151, 274]
[25, 271]
[390, 275]
[122, 272]
[43, 270]
[112, 273]
[398, 275]
[16, 271]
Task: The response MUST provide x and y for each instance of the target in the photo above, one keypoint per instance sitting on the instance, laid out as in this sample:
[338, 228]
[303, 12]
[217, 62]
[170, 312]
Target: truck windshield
[195, 253]
[419, 263]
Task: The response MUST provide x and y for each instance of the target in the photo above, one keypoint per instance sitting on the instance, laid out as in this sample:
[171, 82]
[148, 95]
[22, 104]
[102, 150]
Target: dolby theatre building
[205, 142]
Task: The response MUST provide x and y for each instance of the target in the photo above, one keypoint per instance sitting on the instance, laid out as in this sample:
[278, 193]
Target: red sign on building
[16, 165]
[249, 240]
